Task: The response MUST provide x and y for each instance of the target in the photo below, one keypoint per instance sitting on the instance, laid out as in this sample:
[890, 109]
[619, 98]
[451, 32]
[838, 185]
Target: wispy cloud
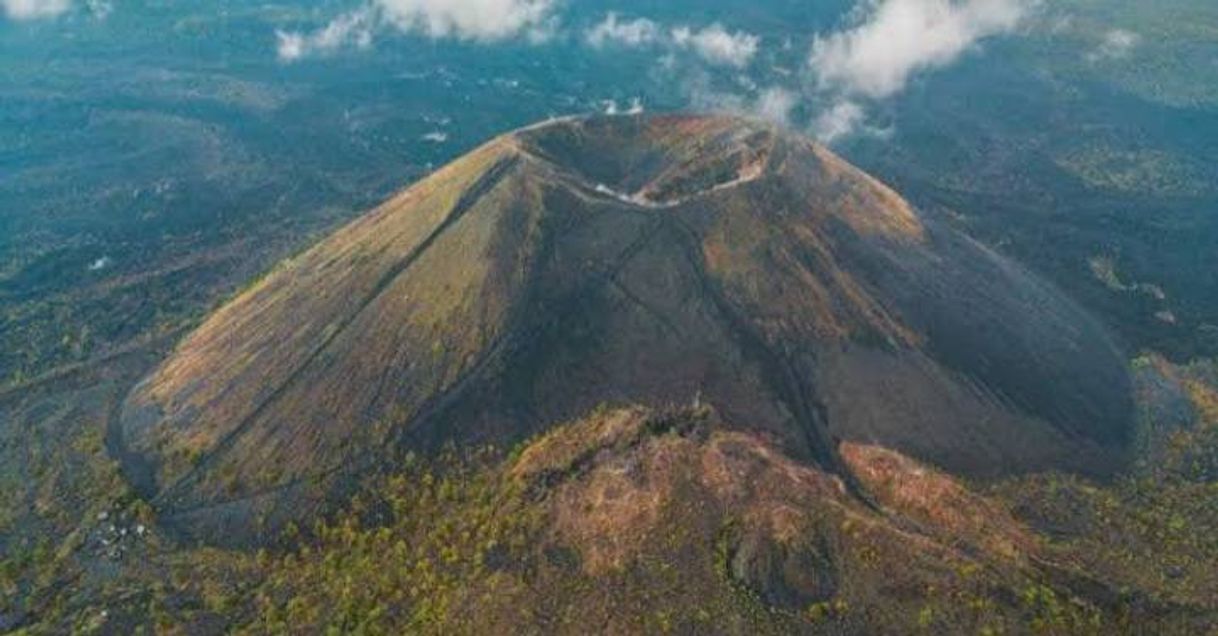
[350, 29]
[775, 104]
[841, 119]
[34, 9]
[882, 46]
[714, 43]
[717, 45]
[482, 20]
[891, 41]
[1117, 44]
[469, 20]
[897, 38]
[630, 33]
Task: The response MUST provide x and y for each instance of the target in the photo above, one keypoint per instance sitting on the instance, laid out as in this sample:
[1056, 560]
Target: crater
[655, 162]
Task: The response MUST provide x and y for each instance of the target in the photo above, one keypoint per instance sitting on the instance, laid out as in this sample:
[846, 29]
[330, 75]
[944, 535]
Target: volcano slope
[642, 260]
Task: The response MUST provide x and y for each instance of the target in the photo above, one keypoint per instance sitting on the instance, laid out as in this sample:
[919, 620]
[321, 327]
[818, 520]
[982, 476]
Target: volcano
[651, 260]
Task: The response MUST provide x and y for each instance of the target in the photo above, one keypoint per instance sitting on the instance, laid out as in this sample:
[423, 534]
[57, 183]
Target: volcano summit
[644, 260]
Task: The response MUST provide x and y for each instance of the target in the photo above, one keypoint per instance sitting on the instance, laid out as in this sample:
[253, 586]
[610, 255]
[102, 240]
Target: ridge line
[468, 199]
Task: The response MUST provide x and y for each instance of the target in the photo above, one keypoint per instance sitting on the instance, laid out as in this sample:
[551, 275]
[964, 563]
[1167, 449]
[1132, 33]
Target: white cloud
[889, 42]
[884, 45]
[479, 20]
[895, 39]
[471, 20]
[292, 45]
[715, 44]
[631, 33]
[349, 29]
[34, 9]
[1117, 44]
[775, 104]
[842, 119]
